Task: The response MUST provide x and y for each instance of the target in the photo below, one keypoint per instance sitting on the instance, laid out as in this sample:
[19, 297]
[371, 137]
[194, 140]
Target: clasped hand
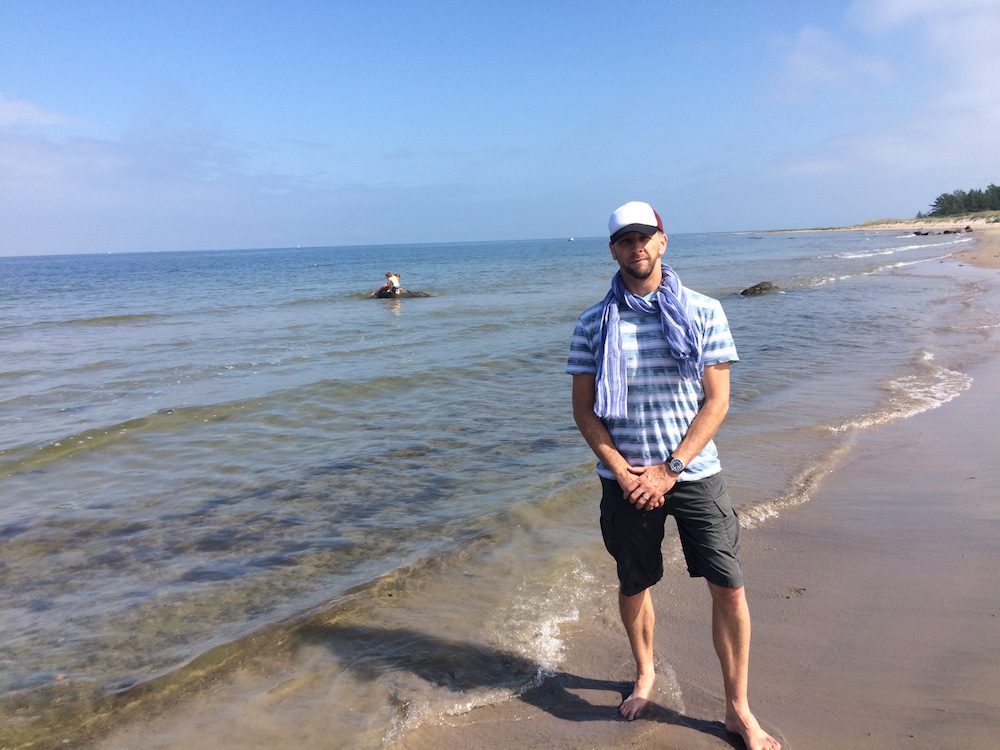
[646, 487]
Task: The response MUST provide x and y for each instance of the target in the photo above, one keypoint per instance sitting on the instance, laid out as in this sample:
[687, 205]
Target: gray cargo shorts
[707, 524]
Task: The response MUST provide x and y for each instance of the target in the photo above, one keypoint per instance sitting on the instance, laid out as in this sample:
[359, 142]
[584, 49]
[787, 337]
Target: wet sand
[986, 252]
[876, 611]
[875, 607]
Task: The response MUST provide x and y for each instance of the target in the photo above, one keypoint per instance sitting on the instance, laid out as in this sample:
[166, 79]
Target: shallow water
[206, 449]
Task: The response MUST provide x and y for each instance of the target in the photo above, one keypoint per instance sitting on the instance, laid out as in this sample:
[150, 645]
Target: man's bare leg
[639, 619]
[731, 636]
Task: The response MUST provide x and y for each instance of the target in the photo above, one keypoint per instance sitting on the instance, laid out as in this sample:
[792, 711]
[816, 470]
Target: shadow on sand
[460, 666]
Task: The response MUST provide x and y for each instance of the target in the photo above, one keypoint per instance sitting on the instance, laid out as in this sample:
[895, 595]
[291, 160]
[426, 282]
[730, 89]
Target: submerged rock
[389, 294]
[764, 287]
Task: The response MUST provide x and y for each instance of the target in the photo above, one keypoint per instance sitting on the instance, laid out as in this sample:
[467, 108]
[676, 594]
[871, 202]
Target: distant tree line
[965, 202]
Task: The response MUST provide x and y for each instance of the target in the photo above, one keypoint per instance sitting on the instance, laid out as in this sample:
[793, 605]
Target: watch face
[676, 465]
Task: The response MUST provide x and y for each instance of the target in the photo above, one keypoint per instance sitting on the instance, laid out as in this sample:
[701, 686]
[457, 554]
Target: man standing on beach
[650, 366]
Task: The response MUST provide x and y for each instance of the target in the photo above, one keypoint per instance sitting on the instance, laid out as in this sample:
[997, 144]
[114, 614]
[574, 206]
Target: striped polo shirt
[661, 405]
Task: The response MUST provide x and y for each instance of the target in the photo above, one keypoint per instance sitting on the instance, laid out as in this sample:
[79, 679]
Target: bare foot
[633, 706]
[754, 737]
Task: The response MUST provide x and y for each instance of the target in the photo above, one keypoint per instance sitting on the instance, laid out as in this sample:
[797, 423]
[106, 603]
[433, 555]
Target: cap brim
[645, 229]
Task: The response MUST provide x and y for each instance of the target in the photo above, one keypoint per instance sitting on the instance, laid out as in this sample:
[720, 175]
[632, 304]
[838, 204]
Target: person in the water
[391, 285]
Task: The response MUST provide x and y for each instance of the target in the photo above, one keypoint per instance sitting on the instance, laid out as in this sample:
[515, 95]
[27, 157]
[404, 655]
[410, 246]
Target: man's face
[638, 254]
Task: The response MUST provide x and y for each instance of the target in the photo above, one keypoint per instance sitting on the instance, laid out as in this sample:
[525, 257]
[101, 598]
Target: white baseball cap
[634, 216]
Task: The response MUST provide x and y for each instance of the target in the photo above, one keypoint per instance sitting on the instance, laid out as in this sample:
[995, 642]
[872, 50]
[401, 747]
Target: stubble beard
[637, 273]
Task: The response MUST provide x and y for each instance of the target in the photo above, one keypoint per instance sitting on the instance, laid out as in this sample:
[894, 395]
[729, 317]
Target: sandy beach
[876, 615]
[985, 252]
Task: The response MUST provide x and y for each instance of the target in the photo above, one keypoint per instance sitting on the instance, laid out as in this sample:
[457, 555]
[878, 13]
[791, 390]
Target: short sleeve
[717, 343]
[581, 354]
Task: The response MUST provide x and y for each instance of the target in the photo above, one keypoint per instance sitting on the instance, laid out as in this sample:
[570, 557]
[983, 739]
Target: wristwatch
[675, 465]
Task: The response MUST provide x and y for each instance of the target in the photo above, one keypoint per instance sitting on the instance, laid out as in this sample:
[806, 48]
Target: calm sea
[211, 459]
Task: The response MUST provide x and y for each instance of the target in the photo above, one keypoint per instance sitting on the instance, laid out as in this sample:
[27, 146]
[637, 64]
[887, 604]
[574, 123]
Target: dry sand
[875, 606]
[985, 252]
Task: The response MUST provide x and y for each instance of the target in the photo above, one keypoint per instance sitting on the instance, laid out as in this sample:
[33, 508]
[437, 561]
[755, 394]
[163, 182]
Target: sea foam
[928, 388]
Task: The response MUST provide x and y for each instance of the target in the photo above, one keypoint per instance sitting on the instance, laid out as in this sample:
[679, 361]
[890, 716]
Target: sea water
[219, 461]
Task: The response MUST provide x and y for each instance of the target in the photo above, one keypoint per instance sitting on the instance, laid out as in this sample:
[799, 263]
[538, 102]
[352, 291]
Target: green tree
[993, 197]
[965, 201]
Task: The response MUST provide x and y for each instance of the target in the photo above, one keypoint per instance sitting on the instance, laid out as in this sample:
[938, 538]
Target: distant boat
[571, 239]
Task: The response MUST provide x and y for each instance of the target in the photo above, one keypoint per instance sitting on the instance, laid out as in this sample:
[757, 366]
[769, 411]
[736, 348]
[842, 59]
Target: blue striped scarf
[678, 332]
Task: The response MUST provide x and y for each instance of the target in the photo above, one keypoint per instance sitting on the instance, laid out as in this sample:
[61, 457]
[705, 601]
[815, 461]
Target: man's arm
[657, 480]
[710, 416]
[596, 433]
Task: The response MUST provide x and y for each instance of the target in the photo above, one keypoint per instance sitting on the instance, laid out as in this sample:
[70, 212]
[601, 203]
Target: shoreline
[877, 553]
[984, 252]
[876, 617]
[575, 707]
[873, 627]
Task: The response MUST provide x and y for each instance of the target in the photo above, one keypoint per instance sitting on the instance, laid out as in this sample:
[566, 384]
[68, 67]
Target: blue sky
[190, 125]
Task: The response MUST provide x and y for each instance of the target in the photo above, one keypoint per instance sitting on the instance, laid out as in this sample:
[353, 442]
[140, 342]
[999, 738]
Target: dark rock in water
[764, 287]
[968, 229]
[389, 294]
[919, 233]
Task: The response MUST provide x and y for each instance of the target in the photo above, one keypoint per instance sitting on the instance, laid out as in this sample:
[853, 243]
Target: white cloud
[817, 64]
[881, 15]
[18, 112]
[75, 193]
[943, 131]
[181, 189]
[962, 37]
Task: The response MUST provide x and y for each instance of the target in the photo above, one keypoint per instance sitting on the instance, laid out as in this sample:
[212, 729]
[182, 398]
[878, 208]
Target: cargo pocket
[731, 519]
